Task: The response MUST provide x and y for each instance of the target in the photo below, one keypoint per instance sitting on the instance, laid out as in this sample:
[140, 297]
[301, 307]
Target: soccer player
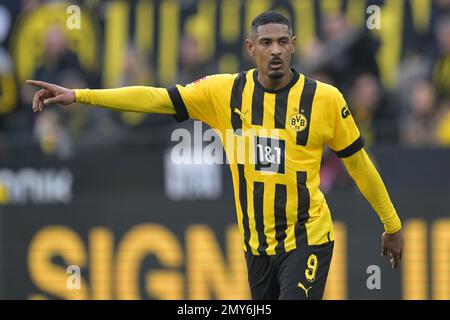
[284, 220]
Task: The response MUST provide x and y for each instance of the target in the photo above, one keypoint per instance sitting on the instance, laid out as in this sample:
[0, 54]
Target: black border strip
[236, 101]
[280, 216]
[306, 103]
[182, 113]
[357, 145]
[281, 100]
[258, 210]
[257, 106]
[243, 203]
[304, 201]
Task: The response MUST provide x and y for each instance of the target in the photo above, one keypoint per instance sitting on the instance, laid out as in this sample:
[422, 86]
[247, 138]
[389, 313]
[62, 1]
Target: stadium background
[94, 188]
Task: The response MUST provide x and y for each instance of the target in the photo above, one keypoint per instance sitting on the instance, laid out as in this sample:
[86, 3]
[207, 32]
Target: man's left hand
[392, 244]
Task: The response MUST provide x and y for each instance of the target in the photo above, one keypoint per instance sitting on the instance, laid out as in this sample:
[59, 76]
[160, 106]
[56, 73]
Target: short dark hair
[270, 17]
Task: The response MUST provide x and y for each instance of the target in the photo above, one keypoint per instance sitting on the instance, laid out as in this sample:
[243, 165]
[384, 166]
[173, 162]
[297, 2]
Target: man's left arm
[348, 144]
[369, 182]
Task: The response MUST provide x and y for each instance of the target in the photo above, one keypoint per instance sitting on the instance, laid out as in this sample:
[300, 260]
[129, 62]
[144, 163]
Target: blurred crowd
[415, 113]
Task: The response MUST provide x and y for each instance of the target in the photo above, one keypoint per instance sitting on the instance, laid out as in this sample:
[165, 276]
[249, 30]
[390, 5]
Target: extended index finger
[42, 84]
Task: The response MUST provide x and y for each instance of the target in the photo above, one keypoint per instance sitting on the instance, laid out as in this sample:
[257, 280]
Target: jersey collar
[287, 87]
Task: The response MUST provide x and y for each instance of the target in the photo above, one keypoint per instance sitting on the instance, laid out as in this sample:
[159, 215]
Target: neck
[275, 84]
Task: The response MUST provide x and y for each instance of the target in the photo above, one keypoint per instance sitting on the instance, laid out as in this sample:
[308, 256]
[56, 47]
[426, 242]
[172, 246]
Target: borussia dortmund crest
[298, 122]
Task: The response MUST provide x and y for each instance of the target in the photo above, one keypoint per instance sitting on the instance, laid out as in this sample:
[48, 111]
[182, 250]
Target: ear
[250, 47]
[293, 43]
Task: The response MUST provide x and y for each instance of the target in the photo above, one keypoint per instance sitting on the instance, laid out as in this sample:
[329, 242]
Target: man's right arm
[137, 99]
[196, 100]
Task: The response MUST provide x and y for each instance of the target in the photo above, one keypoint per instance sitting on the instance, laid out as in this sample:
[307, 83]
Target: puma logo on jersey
[241, 114]
[300, 285]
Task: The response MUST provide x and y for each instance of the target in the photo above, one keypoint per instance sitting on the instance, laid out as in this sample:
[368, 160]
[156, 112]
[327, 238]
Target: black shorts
[297, 275]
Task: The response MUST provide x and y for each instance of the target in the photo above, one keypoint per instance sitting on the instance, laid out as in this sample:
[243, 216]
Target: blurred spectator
[136, 73]
[344, 53]
[59, 66]
[136, 70]
[192, 65]
[31, 4]
[332, 172]
[5, 23]
[52, 136]
[8, 94]
[8, 89]
[322, 76]
[341, 56]
[443, 125]
[442, 6]
[441, 65]
[420, 124]
[140, 128]
[57, 57]
[376, 118]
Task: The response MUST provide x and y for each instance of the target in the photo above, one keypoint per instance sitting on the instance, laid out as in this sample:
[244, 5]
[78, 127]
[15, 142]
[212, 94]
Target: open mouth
[276, 64]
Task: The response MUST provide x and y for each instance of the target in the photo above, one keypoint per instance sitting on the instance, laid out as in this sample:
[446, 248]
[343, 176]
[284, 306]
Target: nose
[275, 50]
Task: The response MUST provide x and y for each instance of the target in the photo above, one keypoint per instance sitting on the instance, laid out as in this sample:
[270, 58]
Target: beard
[276, 74]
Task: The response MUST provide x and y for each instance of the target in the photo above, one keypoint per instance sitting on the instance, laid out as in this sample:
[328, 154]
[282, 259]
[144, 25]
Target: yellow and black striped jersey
[274, 140]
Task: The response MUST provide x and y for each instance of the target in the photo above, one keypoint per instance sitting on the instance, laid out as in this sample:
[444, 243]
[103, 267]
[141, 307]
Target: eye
[284, 42]
[265, 42]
